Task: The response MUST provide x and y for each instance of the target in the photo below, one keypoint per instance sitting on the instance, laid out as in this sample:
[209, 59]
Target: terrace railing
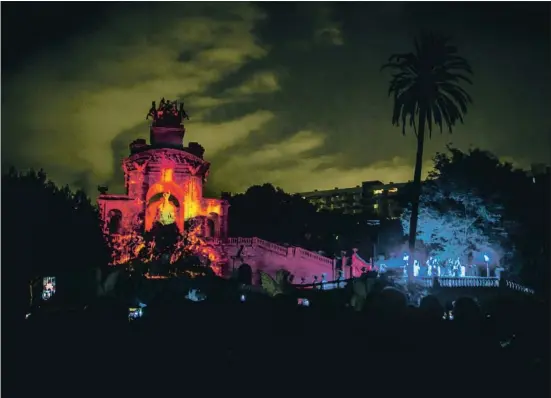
[519, 287]
[291, 251]
[337, 284]
[445, 282]
[307, 254]
[467, 281]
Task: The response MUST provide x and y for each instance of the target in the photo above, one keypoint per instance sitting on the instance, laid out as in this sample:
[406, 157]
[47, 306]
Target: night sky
[287, 93]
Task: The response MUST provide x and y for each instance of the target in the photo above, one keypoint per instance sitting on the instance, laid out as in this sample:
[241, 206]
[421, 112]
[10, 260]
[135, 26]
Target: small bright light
[486, 258]
[194, 295]
[304, 302]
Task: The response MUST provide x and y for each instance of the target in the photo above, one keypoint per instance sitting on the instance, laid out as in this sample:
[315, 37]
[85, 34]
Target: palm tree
[427, 92]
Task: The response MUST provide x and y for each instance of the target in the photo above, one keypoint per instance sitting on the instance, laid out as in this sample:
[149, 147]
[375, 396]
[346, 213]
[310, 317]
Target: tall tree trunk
[416, 193]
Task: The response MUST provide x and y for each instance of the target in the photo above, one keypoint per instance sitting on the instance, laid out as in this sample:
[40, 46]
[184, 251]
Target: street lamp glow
[486, 258]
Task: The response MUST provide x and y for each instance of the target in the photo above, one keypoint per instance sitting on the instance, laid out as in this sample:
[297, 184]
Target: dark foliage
[46, 231]
[270, 213]
[523, 200]
[165, 236]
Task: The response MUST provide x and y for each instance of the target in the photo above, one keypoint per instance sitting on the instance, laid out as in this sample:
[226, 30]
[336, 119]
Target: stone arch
[210, 228]
[176, 197]
[245, 274]
[114, 221]
[213, 225]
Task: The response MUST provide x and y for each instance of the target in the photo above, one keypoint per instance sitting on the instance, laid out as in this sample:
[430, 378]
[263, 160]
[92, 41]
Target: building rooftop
[330, 192]
[374, 184]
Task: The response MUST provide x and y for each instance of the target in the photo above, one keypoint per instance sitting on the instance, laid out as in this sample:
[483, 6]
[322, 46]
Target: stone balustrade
[337, 284]
[314, 256]
[273, 247]
[519, 287]
[467, 281]
[298, 253]
[240, 241]
[445, 282]
[291, 251]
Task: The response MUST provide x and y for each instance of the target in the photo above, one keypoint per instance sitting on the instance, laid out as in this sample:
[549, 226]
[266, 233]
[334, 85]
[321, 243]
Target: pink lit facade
[164, 183]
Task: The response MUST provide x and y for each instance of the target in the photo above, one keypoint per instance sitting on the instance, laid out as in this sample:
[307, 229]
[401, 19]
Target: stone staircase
[310, 268]
[306, 266]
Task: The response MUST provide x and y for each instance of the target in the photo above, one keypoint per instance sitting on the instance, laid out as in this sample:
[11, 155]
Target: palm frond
[430, 79]
[269, 284]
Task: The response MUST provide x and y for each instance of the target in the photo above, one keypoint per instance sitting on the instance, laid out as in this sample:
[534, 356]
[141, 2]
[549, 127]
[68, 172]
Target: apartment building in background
[371, 197]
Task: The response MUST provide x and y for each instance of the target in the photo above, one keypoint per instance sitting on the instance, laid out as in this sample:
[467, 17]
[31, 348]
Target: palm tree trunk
[416, 194]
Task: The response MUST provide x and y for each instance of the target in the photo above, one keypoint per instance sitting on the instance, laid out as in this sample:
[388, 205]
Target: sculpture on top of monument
[168, 114]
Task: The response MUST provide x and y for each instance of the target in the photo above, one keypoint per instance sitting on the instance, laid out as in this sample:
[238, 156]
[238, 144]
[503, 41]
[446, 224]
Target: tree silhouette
[426, 89]
[454, 220]
[524, 204]
[272, 214]
[48, 231]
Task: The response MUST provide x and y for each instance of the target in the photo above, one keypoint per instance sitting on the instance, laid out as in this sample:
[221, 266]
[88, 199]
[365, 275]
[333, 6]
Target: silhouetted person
[393, 301]
[389, 315]
[466, 311]
[430, 309]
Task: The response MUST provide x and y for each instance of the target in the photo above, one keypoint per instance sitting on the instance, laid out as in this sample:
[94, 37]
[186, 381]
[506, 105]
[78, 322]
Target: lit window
[392, 190]
[377, 191]
[375, 206]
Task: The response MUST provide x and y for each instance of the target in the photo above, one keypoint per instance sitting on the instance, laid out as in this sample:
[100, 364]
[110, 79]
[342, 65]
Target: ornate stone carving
[164, 155]
[159, 158]
[168, 114]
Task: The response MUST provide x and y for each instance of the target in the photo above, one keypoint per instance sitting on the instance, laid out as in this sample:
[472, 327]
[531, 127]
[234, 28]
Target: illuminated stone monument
[164, 186]
[164, 183]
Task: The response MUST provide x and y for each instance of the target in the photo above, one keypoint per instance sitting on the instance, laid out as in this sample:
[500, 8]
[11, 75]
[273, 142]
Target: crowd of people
[257, 344]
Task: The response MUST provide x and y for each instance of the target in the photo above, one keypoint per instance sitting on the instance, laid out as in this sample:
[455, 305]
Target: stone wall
[269, 257]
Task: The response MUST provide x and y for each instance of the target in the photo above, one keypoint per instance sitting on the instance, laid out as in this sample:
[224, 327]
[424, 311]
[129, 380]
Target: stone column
[224, 220]
[218, 227]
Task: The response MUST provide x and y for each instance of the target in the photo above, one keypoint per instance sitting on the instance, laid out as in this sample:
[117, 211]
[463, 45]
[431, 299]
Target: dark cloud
[290, 93]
